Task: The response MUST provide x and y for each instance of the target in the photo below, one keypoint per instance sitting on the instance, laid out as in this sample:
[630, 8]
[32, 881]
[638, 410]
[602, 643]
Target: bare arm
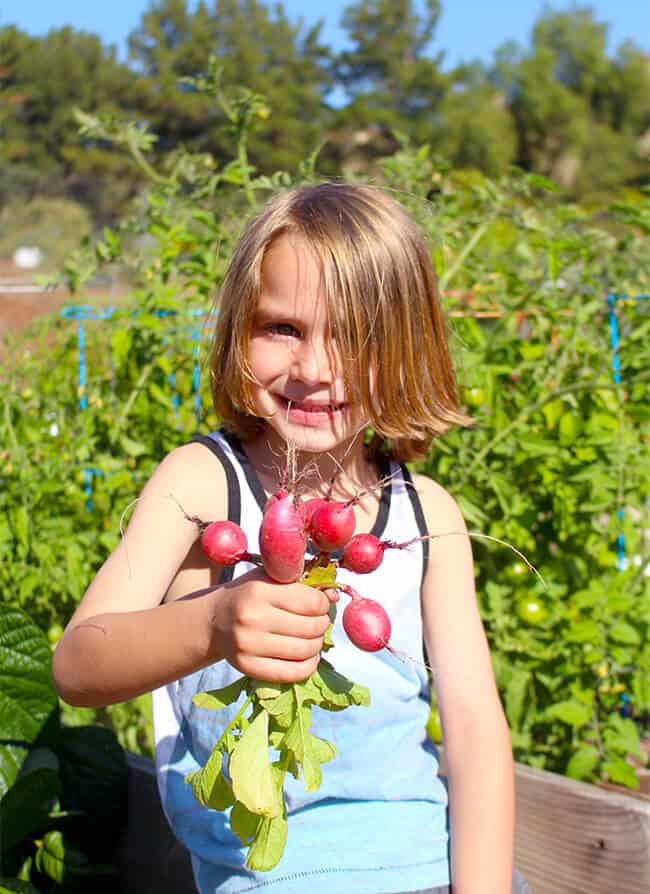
[475, 732]
[123, 640]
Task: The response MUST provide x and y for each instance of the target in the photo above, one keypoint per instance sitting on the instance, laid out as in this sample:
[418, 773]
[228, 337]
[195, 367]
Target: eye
[286, 329]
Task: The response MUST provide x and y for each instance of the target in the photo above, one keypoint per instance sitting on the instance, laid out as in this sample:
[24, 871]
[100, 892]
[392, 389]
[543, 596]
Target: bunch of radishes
[288, 523]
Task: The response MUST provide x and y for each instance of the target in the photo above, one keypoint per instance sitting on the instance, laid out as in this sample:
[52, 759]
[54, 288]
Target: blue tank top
[378, 823]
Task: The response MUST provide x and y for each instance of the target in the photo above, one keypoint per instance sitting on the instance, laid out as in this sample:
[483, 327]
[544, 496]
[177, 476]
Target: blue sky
[468, 29]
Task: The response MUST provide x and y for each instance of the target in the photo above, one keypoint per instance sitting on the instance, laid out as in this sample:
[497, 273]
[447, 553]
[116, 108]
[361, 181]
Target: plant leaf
[210, 786]
[215, 699]
[16, 886]
[571, 712]
[27, 697]
[24, 809]
[321, 575]
[619, 771]
[250, 770]
[337, 689]
[583, 762]
[267, 849]
[243, 823]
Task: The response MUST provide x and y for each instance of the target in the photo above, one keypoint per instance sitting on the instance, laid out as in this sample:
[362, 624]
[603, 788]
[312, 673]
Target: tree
[473, 127]
[258, 48]
[580, 116]
[393, 84]
[42, 79]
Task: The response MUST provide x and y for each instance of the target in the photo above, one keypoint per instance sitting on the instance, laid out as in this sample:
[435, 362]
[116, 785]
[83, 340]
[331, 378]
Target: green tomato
[530, 611]
[474, 397]
[54, 634]
[434, 727]
[516, 572]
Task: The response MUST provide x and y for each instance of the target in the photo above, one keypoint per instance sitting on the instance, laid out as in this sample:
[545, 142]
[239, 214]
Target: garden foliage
[557, 448]
[62, 787]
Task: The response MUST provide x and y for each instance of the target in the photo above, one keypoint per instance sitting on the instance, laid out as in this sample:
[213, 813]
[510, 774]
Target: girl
[329, 324]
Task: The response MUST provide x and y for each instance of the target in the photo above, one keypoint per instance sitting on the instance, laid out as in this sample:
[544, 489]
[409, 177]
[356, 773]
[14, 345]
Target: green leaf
[621, 735]
[16, 886]
[282, 709]
[121, 345]
[337, 689]
[24, 809]
[59, 859]
[321, 575]
[243, 823]
[133, 448]
[250, 770]
[516, 696]
[210, 786]
[268, 846]
[622, 632]
[298, 741]
[27, 697]
[571, 712]
[323, 750]
[215, 699]
[265, 690]
[584, 632]
[21, 524]
[583, 762]
[619, 771]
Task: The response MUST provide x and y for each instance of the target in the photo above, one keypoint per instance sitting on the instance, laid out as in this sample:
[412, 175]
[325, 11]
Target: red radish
[366, 622]
[363, 553]
[283, 539]
[311, 506]
[332, 525]
[224, 542]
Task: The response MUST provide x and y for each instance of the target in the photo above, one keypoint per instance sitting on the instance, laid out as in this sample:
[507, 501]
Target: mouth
[310, 411]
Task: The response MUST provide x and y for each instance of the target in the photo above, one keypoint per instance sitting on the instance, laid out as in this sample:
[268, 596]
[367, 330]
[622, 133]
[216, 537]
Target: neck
[347, 467]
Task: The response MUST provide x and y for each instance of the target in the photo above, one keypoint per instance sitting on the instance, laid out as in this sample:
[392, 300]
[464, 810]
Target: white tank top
[381, 809]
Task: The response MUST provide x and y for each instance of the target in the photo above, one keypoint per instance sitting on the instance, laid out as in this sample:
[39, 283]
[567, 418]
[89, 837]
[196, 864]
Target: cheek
[263, 360]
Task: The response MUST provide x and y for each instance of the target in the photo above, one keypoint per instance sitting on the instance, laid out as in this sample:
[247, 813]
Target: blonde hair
[384, 313]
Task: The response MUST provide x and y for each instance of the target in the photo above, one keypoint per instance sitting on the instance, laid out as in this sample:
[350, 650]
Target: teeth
[320, 408]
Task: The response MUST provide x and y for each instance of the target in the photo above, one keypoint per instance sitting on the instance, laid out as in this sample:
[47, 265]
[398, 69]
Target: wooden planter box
[571, 837]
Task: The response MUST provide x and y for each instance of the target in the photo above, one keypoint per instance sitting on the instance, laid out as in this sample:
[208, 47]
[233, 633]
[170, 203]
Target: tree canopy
[562, 107]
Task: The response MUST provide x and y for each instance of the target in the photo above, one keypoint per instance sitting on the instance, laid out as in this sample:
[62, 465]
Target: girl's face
[299, 388]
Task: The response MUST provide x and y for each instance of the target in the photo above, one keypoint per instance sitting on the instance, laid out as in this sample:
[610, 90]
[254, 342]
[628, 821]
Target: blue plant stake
[621, 559]
[82, 312]
[196, 373]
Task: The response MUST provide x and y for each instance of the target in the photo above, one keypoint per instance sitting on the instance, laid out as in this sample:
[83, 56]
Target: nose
[312, 363]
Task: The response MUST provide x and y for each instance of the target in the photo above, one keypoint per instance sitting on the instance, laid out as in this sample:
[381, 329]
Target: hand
[270, 631]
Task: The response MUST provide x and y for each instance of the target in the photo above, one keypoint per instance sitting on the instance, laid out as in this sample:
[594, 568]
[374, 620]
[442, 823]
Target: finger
[291, 624]
[285, 648]
[332, 595]
[276, 671]
[301, 600]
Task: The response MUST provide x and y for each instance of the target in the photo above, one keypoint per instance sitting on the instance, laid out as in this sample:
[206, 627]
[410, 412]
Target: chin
[313, 440]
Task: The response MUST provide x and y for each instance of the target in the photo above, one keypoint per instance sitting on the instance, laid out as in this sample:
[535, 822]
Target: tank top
[378, 823]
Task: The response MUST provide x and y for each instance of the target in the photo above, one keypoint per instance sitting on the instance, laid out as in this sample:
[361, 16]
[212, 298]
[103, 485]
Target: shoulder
[441, 510]
[193, 476]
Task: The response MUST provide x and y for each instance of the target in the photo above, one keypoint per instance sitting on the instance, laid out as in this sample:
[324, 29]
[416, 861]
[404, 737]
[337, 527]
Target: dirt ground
[19, 308]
